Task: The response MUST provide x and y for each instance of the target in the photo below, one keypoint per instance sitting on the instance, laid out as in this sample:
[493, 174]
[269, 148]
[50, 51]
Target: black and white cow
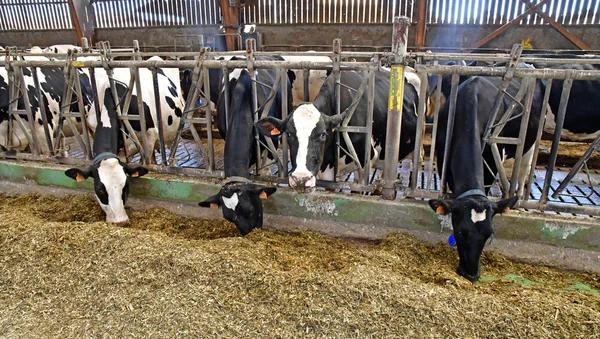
[52, 83]
[310, 127]
[171, 104]
[239, 199]
[468, 178]
[111, 177]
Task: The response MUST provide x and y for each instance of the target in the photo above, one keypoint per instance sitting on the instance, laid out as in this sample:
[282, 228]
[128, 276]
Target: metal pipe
[26, 102]
[42, 108]
[82, 111]
[157, 105]
[530, 82]
[436, 118]
[336, 64]
[595, 146]
[449, 131]
[419, 133]
[538, 138]
[560, 119]
[394, 122]
[369, 127]
[209, 136]
[284, 113]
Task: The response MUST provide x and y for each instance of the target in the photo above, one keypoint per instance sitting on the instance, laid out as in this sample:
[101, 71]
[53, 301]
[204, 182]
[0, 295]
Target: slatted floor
[578, 192]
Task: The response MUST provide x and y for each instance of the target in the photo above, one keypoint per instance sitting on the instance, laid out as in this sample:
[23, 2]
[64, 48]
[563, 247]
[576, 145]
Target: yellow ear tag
[214, 206]
[439, 210]
[79, 178]
[263, 195]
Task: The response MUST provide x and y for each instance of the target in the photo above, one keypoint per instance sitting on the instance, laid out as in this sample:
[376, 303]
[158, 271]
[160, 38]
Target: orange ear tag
[213, 205]
[135, 174]
[439, 210]
[275, 131]
[79, 178]
[506, 210]
[263, 195]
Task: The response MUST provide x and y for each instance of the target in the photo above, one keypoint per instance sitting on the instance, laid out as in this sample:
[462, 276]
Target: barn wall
[543, 37]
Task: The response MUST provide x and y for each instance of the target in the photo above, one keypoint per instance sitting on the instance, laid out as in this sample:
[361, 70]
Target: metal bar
[81, 107]
[559, 207]
[42, 107]
[449, 130]
[436, 118]
[26, 102]
[394, 122]
[529, 82]
[147, 150]
[252, 72]
[369, 128]
[419, 133]
[209, 136]
[560, 119]
[226, 94]
[157, 104]
[336, 61]
[595, 146]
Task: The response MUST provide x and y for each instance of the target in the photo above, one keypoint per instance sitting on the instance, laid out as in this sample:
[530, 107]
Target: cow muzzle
[303, 182]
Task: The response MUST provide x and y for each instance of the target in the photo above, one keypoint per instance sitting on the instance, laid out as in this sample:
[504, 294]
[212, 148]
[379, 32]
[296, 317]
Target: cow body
[467, 175]
[316, 78]
[310, 127]
[239, 199]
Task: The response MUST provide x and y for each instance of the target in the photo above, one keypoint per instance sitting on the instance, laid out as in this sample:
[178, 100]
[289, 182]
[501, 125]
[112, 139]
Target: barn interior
[340, 261]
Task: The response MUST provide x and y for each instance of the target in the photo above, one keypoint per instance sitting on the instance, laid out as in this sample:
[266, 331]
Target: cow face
[111, 186]
[308, 131]
[472, 226]
[240, 203]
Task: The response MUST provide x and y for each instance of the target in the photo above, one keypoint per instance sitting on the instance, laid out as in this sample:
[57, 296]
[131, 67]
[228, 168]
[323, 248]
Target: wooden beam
[508, 25]
[230, 21]
[75, 21]
[575, 40]
[420, 32]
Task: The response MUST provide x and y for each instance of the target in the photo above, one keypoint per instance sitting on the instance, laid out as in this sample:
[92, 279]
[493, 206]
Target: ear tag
[135, 174]
[79, 178]
[439, 210]
[451, 240]
[263, 195]
[275, 131]
[213, 205]
[506, 210]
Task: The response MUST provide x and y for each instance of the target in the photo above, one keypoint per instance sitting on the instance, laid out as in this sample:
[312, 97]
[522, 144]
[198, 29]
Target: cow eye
[323, 136]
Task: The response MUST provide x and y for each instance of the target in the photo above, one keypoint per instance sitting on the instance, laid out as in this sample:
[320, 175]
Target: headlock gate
[196, 116]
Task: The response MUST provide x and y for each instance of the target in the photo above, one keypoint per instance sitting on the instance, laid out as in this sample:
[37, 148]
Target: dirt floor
[65, 273]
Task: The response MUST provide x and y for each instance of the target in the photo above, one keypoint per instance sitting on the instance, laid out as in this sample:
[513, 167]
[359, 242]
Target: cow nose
[303, 181]
[122, 223]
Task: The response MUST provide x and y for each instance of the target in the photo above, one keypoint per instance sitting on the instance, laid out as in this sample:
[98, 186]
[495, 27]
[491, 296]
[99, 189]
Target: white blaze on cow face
[231, 202]
[305, 119]
[478, 216]
[113, 177]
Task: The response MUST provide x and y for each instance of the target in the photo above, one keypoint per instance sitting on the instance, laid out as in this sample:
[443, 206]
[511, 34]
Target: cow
[316, 78]
[310, 127]
[110, 175]
[239, 199]
[582, 118]
[52, 83]
[61, 49]
[468, 178]
[171, 105]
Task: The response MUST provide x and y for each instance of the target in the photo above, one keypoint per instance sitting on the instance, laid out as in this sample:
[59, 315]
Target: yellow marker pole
[394, 122]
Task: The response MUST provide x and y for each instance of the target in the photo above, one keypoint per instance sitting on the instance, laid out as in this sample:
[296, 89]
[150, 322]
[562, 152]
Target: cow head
[307, 130]
[111, 185]
[240, 203]
[472, 226]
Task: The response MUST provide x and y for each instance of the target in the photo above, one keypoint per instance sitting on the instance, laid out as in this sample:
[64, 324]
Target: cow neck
[234, 179]
[106, 137]
[103, 156]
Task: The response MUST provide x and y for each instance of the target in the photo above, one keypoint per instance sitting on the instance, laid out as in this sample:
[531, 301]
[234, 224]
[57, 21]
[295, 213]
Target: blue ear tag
[451, 240]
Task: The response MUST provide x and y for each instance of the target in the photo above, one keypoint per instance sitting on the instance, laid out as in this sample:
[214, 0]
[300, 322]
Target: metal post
[438, 96]
[369, 127]
[252, 73]
[284, 113]
[394, 122]
[419, 134]
[560, 119]
[42, 107]
[449, 131]
[157, 103]
[209, 136]
[336, 58]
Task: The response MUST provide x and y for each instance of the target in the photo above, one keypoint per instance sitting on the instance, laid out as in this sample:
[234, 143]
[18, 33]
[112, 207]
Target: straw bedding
[65, 273]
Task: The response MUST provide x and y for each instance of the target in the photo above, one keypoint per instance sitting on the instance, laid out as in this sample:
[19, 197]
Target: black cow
[239, 199]
[111, 181]
[472, 212]
[310, 126]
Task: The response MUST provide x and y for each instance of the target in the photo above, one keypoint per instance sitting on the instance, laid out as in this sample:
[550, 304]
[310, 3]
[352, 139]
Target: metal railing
[425, 66]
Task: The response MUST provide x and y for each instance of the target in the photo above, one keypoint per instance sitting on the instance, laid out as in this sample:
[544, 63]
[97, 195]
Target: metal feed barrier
[425, 65]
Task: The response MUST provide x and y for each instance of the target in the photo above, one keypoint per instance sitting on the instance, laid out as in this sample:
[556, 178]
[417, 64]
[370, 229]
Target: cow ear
[265, 191]
[270, 126]
[135, 172]
[211, 202]
[441, 207]
[504, 206]
[77, 174]
[335, 121]
[291, 76]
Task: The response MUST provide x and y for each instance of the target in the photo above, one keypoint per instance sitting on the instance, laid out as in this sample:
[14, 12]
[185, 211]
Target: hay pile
[65, 273]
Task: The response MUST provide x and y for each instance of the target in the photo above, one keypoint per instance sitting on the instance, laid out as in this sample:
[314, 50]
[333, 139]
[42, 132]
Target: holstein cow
[171, 104]
[310, 127]
[52, 83]
[471, 211]
[111, 177]
[582, 118]
[316, 78]
[239, 199]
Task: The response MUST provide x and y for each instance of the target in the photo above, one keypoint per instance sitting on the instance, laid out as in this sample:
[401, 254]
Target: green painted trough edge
[582, 233]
